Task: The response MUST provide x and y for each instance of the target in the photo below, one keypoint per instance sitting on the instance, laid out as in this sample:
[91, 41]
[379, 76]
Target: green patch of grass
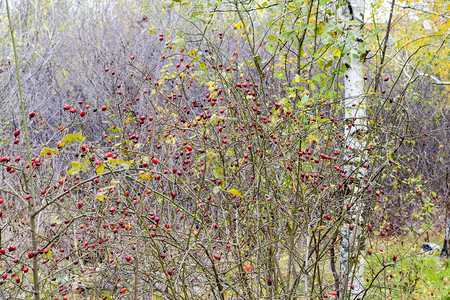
[412, 276]
[436, 278]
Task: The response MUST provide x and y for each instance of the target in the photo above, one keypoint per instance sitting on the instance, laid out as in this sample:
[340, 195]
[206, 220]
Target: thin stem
[27, 138]
[383, 53]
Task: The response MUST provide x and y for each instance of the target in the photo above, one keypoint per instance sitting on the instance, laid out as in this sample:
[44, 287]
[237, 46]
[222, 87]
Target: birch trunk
[446, 247]
[351, 261]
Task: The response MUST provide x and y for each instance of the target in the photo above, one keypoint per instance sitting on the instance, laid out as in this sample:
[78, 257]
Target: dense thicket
[190, 150]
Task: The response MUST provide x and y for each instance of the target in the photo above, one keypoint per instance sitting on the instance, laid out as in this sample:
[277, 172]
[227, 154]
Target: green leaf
[72, 138]
[354, 22]
[112, 162]
[279, 75]
[202, 66]
[126, 164]
[273, 38]
[56, 220]
[114, 129]
[321, 63]
[305, 99]
[216, 189]
[250, 63]
[218, 172]
[48, 150]
[215, 119]
[76, 168]
[270, 48]
[180, 42]
[210, 154]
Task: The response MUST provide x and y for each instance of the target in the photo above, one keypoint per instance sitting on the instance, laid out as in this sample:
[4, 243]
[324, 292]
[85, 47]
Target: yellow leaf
[337, 52]
[100, 169]
[238, 25]
[72, 138]
[235, 192]
[146, 175]
[320, 27]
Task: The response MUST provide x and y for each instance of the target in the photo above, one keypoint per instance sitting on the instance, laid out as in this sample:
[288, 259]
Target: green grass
[415, 275]
[436, 279]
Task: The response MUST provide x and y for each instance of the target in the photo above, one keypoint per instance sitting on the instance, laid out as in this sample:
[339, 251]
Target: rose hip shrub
[206, 179]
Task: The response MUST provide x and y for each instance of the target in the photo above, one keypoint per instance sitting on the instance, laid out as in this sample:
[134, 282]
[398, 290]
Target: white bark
[446, 247]
[351, 259]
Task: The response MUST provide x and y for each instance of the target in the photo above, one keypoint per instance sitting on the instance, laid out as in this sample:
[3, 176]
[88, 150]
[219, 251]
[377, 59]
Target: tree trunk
[446, 248]
[351, 260]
